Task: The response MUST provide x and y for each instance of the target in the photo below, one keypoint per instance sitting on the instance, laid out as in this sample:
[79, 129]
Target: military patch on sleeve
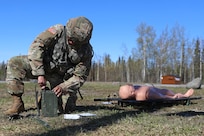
[52, 30]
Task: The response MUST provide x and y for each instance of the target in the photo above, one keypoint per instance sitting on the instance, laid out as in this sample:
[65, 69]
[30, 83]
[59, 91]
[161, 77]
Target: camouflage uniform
[50, 56]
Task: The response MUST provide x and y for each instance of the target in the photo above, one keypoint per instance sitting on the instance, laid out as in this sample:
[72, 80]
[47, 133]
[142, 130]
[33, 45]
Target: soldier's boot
[17, 106]
[60, 105]
[71, 103]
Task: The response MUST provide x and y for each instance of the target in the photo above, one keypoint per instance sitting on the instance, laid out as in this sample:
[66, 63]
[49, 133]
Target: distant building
[170, 79]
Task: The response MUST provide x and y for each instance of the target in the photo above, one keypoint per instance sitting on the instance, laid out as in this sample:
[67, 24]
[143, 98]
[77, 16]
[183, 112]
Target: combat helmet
[79, 29]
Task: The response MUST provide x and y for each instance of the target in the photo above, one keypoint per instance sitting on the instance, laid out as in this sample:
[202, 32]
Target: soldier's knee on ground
[71, 102]
[60, 105]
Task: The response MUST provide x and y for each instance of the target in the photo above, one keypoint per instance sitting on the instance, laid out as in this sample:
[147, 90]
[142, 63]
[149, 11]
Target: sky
[115, 22]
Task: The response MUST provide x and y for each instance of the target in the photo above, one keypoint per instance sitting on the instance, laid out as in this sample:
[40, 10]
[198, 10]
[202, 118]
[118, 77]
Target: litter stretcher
[124, 102]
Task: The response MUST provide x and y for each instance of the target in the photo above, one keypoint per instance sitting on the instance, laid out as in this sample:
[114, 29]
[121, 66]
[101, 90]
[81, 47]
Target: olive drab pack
[79, 29]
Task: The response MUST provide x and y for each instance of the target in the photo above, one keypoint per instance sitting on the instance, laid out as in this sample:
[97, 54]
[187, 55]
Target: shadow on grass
[91, 124]
[186, 113]
[94, 108]
[152, 107]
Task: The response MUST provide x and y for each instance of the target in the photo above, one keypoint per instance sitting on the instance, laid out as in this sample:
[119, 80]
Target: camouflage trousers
[18, 68]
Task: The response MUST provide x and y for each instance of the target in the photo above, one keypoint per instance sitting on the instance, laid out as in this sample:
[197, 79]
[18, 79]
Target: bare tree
[145, 41]
[162, 51]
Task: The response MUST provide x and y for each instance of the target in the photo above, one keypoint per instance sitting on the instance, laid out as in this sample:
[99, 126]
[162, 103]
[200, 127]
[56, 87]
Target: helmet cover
[79, 29]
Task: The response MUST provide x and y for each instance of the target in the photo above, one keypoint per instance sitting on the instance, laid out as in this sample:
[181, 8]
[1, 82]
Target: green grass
[176, 120]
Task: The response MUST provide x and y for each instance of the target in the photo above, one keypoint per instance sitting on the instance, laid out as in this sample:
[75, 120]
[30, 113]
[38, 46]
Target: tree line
[170, 53]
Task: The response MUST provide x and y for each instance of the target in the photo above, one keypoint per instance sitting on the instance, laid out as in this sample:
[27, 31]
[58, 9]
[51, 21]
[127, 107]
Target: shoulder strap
[65, 39]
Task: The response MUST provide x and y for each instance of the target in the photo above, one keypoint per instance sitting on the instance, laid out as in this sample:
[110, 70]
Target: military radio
[48, 103]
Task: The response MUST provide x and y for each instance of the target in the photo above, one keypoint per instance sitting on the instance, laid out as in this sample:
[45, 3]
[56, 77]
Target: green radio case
[49, 104]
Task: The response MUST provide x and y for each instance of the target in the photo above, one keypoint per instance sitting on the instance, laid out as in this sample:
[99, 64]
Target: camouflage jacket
[44, 59]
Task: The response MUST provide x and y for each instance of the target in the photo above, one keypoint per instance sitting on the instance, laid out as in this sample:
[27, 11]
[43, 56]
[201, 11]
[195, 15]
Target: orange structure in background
[170, 79]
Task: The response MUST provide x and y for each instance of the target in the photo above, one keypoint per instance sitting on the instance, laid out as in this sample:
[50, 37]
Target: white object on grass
[71, 116]
[87, 114]
[107, 103]
[78, 116]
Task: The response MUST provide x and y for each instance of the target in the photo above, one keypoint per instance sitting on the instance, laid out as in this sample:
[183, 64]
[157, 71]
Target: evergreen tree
[197, 59]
